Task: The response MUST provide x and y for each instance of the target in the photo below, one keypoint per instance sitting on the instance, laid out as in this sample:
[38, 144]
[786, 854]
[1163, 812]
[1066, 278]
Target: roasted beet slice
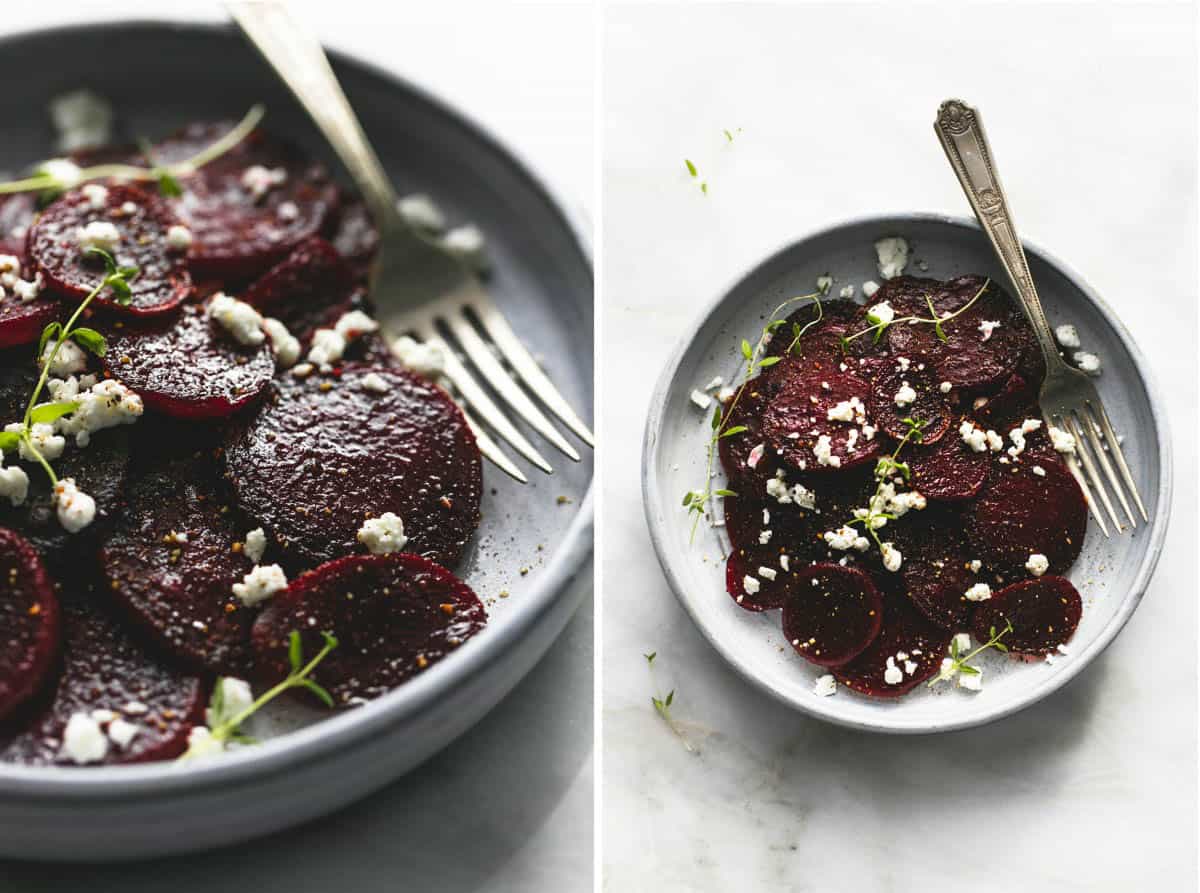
[22, 322]
[823, 329]
[29, 617]
[17, 212]
[162, 281]
[241, 227]
[949, 470]
[301, 289]
[831, 613]
[393, 615]
[906, 638]
[188, 366]
[172, 561]
[739, 451]
[325, 453]
[926, 403]
[1043, 612]
[105, 670]
[355, 237]
[1021, 513]
[741, 566]
[796, 422]
[1009, 405]
[937, 571]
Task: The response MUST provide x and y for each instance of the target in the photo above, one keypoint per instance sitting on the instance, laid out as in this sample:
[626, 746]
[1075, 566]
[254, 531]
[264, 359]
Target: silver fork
[418, 287]
[1069, 400]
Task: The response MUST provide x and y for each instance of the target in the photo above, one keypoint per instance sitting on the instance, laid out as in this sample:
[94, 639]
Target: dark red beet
[936, 571]
[188, 366]
[771, 593]
[831, 613]
[181, 591]
[162, 281]
[1044, 613]
[29, 618]
[237, 235]
[1021, 513]
[949, 470]
[735, 449]
[1009, 405]
[355, 237]
[393, 616]
[22, 322]
[103, 669]
[17, 211]
[929, 406]
[324, 454]
[801, 408]
[904, 632]
[302, 289]
[823, 329]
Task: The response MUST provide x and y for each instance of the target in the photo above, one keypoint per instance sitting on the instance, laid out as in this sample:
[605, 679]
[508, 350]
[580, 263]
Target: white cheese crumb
[260, 584]
[288, 211]
[14, 483]
[179, 237]
[467, 244]
[260, 180]
[420, 212]
[1062, 440]
[963, 642]
[82, 118]
[846, 537]
[1067, 336]
[892, 557]
[374, 383]
[847, 291]
[971, 681]
[994, 441]
[122, 733]
[701, 399]
[1037, 564]
[824, 283]
[892, 674]
[83, 740]
[880, 313]
[63, 171]
[236, 696]
[255, 545]
[201, 743]
[424, 359]
[825, 686]
[383, 535]
[751, 584]
[823, 450]
[768, 573]
[756, 454]
[783, 562]
[713, 384]
[1039, 471]
[980, 592]
[284, 344]
[905, 395]
[973, 437]
[238, 318]
[869, 288]
[98, 234]
[103, 405]
[96, 195]
[27, 290]
[328, 345]
[76, 510]
[45, 440]
[892, 255]
[846, 410]
[944, 387]
[987, 327]
[1087, 362]
[725, 394]
[70, 360]
[975, 566]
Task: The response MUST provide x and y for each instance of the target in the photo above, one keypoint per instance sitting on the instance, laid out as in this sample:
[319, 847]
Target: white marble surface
[509, 806]
[1095, 788]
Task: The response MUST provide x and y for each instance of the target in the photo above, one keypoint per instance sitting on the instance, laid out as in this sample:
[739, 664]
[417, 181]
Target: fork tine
[492, 451]
[1090, 468]
[1114, 447]
[1077, 473]
[526, 366]
[479, 401]
[1090, 426]
[495, 375]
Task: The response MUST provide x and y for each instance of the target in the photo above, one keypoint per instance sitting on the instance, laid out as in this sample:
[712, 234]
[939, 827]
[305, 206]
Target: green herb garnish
[879, 326]
[961, 663]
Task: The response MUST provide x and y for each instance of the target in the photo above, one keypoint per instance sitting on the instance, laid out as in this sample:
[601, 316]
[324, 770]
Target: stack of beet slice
[804, 469]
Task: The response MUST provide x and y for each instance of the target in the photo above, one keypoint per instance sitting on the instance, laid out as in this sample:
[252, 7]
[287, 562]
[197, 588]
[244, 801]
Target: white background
[509, 806]
[1091, 110]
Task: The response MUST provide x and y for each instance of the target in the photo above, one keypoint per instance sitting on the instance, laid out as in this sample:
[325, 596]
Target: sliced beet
[104, 669]
[823, 328]
[301, 289]
[906, 636]
[236, 233]
[796, 418]
[162, 281]
[1009, 405]
[949, 470]
[937, 573]
[738, 451]
[1044, 613]
[355, 237]
[17, 212]
[1021, 513]
[188, 365]
[172, 561]
[929, 404]
[324, 454]
[771, 593]
[22, 322]
[832, 613]
[29, 618]
[393, 615]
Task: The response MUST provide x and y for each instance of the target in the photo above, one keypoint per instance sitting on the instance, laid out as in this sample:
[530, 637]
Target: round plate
[1111, 574]
[542, 281]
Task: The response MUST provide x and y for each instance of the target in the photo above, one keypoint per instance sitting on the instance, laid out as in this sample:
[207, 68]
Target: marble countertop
[509, 806]
[1095, 788]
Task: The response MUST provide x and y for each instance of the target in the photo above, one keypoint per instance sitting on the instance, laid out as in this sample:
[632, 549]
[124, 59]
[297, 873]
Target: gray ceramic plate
[1111, 574]
[164, 76]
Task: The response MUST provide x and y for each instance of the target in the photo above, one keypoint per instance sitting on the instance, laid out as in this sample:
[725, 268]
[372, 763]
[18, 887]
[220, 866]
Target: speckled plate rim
[668, 555]
[153, 780]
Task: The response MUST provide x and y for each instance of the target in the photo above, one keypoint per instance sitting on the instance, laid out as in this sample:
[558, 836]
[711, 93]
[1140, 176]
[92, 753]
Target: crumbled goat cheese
[424, 359]
[973, 437]
[725, 394]
[945, 387]
[1030, 425]
[892, 557]
[64, 172]
[98, 234]
[975, 566]
[751, 584]
[756, 454]
[10, 264]
[823, 450]
[179, 237]
[83, 740]
[783, 562]
[420, 212]
[260, 180]
[824, 283]
[14, 483]
[374, 383]
[903, 364]
[284, 344]
[994, 441]
[869, 288]
[980, 592]
[1087, 362]
[1018, 438]
[122, 733]
[27, 290]
[892, 674]
[825, 686]
[714, 383]
[971, 681]
[201, 743]
[70, 359]
[328, 345]
[1037, 564]
[238, 318]
[1067, 336]
[82, 120]
[986, 327]
[255, 545]
[892, 254]
[846, 410]
[236, 696]
[76, 510]
[905, 395]
[104, 405]
[1039, 471]
[880, 313]
[383, 535]
[260, 584]
[44, 439]
[963, 642]
[701, 399]
[1063, 441]
[847, 291]
[303, 370]
[768, 573]
[96, 195]
[846, 537]
[467, 244]
[764, 537]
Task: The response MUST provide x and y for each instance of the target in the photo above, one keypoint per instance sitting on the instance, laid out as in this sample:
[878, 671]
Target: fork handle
[960, 131]
[298, 59]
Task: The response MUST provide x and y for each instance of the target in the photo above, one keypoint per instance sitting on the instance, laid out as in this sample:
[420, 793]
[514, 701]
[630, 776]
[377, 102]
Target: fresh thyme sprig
[116, 278]
[663, 707]
[887, 467]
[47, 182]
[227, 727]
[698, 501]
[962, 663]
[879, 326]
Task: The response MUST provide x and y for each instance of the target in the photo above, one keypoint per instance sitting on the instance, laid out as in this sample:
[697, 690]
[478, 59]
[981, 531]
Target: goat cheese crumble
[284, 344]
[869, 288]
[905, 395]
[179, 237]
[751, 584]
[83, 740]
[1063, 441]
[881, 313]
[980, 592]
[1067, 336]
[70, 360]
[823, 450]
[260, 180]
[424, 359]
[892, 256]
[76, 510]
[1087, 362]
[255, 545]
[82, 119]
[892, 557]
[98, 234]
[383, 535]
[237, 318]
[1037, 564]
[987, 327]
[328, 345]
[467, 244]
[825, 686]
[260, 584]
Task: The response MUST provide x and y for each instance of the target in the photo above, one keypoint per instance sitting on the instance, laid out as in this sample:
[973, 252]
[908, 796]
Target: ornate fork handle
[960, 130]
